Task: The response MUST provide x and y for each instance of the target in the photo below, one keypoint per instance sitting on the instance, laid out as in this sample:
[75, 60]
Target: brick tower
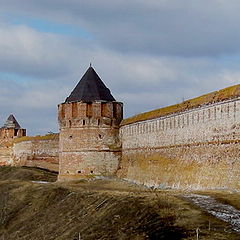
[89, 130]
[8, 133]
[12, 129]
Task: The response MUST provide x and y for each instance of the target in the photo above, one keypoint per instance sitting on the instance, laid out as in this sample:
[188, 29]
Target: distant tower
[12, 129]
[89, 130]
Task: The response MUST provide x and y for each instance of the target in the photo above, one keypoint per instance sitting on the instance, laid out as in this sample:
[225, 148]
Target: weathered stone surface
[37, 152]
[197, 148]
[191, 145]
[89, 139]
[10, 131]
[6, 151]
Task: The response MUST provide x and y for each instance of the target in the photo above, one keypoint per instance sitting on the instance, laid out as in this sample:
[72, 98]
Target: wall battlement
[89, 142]
[210, 98]
[89, 130]
[191, 145]
[81, 114]
[209, 123]
[197, 148]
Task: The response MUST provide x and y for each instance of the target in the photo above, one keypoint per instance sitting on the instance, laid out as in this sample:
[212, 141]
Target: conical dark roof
[12, 123]
[90, 88]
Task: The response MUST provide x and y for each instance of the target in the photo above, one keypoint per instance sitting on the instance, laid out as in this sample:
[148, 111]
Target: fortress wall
[89, 139]
[197, 148]
[6, 151]
[40, 151]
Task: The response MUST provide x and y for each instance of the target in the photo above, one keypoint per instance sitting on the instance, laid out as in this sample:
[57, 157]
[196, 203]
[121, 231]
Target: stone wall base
[209, 166]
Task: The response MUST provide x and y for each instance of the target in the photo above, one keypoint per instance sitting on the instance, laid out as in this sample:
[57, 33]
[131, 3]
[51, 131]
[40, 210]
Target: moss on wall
[208, 166]
[30, 138]
[217, 96]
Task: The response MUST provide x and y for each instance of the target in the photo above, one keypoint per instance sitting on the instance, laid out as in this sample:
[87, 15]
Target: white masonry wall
[194, 149]
[209, 123]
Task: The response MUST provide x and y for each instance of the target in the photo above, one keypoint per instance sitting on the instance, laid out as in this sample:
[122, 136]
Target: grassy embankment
[98, 209]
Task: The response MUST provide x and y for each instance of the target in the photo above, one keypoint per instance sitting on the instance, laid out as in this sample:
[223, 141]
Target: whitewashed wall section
[216, 122]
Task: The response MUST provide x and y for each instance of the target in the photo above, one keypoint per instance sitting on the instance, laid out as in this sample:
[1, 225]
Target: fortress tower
[12, 129]
[89, 130]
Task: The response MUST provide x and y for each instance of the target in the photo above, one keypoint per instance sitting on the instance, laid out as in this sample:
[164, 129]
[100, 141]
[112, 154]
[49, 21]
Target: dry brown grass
[30, 138]
[98, 209]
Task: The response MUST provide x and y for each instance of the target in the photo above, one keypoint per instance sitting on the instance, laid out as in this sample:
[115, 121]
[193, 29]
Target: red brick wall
[39, 151]
[89, 139]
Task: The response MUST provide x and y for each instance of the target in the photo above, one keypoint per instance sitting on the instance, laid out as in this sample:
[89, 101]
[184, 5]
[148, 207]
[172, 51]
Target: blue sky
[149, 53]
[44, 25]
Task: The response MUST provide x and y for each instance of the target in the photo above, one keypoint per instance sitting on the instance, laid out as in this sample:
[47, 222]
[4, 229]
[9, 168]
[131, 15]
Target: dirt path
[222, 211]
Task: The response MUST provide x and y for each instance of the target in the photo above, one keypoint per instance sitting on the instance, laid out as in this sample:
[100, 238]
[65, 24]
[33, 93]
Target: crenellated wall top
[213, 97]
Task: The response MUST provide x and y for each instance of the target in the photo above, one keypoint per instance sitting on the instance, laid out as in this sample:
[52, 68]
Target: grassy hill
[33, 206]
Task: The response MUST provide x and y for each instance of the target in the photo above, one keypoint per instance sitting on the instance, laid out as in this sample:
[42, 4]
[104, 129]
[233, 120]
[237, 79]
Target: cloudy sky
[150, 53]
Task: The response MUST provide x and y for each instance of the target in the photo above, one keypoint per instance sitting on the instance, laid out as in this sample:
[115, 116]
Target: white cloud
[28, 52]
[181, 28]
[139, 51]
